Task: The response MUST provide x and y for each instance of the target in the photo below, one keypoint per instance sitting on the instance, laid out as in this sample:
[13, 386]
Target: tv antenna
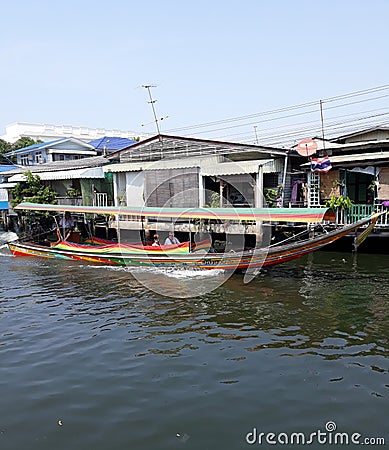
[152, 102]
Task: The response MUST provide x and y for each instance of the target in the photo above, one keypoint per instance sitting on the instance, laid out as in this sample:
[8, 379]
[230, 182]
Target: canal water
[91, 359]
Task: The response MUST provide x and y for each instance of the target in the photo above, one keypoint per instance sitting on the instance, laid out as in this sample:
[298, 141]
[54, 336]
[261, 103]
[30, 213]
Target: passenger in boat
[66, 223]
[155, 241]
[171, 239]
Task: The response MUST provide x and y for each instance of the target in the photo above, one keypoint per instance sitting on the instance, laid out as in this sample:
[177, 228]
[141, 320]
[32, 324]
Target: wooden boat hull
[227, 261]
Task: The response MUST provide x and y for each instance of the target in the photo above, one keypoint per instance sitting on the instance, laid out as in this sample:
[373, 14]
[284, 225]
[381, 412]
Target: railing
[100, 199]
[71, 201]
[360, 211]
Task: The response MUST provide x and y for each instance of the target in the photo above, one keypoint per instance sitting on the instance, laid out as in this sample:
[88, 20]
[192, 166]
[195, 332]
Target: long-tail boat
[182, 255]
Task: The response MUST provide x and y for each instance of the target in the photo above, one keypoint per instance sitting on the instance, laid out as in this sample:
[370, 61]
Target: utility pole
[256, 135]
[148, 87]
[322, 126]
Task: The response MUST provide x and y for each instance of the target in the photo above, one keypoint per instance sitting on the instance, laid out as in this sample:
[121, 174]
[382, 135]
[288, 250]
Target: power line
[288, 108]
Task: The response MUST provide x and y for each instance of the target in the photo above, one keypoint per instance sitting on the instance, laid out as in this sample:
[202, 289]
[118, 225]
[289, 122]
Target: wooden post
[258, 196]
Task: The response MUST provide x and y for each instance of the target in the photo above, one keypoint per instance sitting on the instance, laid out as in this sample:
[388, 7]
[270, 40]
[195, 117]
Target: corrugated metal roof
[233, 168]
[172, 147]
[162, 164]
[360, 158]
[48, 144]
[137, 167]
[380, 143]
[95, 172]
[93, 161]
[112, 143]
[209, 166]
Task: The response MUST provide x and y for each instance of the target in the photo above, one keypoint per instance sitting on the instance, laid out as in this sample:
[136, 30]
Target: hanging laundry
[295, 188]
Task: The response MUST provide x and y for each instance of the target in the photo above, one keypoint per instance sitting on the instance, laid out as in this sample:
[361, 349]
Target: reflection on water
[122, 367]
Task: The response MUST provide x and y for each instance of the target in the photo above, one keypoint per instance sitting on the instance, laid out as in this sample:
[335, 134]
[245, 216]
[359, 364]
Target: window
[270, 180]
[24, 160]
[358, 187]
[38, 157]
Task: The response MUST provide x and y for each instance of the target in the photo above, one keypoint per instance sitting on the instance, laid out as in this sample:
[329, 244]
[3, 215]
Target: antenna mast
[148, 87]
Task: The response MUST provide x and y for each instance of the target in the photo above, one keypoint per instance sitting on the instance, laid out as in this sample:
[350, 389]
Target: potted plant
[339, 204]
[73, 192]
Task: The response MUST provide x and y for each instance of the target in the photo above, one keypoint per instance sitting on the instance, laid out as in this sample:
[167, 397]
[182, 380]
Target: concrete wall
[383, 189]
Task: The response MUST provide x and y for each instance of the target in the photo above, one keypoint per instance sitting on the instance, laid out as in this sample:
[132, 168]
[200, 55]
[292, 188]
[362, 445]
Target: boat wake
[7, 236]
[180, 273]
[173, 282]
[166, 271]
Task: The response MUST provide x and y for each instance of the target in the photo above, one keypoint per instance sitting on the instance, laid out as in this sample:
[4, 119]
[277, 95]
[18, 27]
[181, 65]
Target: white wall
[135, 188]
[49, 132]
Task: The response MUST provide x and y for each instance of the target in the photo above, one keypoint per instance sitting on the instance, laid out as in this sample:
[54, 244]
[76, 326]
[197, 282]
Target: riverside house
[174, 171]
[360, 171]
[161, 170]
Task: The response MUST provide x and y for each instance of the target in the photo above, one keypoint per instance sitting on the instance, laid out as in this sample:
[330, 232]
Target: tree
[4, 146]
[24, 141]
[33, 190]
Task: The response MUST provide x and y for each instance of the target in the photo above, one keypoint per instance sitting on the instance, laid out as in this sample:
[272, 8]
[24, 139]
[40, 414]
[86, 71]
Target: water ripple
[121, 367]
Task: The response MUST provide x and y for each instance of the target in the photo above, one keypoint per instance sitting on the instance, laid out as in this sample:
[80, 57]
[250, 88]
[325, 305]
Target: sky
[84, 63]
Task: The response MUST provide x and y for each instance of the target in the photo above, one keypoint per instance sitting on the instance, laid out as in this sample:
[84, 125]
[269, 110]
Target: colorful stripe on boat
[363, 235]
[125, 249]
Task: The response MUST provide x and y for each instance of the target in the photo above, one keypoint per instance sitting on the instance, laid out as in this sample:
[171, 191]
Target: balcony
[71, 201]
[360, 211]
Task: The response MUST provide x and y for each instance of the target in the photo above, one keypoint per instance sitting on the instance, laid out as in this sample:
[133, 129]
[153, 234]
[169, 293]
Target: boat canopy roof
[303, 215]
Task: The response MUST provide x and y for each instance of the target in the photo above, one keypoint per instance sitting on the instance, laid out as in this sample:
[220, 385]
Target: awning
[234, 168]
[302, 215]
[7, 185]
[139, 167]
[359, 157]
[370, 170]
[211, 166]
[184, 163]
[94, 172]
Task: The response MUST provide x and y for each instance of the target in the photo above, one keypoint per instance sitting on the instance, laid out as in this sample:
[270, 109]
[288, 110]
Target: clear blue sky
[84, 62]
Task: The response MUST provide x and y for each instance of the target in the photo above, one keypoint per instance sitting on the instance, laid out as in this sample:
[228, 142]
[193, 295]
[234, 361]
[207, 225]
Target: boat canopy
[303, 215]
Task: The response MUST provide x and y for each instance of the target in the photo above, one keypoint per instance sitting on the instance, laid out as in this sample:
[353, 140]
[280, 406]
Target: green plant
[215, 200]
[33, 190]
[73, 192]
[372, 186]
[338, 183]
[340, 202]
[270, 197]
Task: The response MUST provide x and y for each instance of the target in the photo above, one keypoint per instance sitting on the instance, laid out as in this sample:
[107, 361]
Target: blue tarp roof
[5, 167]
[112, 143]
